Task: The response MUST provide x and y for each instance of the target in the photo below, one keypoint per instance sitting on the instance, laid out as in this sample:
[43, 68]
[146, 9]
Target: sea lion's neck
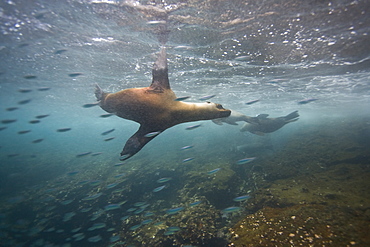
[190, 112]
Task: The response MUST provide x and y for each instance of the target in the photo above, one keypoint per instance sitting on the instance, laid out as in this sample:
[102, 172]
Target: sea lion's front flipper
[160, 80]
[136, 142]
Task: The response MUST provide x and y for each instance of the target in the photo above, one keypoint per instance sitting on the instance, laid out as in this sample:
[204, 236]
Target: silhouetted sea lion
[154, 108]
[267, 125]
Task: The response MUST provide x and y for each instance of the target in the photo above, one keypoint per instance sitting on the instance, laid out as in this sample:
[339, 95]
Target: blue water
[280, 52]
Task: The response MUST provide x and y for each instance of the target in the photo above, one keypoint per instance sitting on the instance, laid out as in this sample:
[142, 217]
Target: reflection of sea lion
[233, 118]
[154, 108]
[268, 125]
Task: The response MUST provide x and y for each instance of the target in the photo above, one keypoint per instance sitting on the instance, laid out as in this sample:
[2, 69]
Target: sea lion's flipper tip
[160, 80]
[98, 92]
[136, 142]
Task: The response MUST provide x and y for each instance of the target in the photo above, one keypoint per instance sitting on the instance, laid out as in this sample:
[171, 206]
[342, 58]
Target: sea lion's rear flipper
[291, 116]
[136, 142]
[160, 80]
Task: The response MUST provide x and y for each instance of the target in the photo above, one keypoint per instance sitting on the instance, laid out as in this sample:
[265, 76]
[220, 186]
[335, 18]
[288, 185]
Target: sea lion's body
[267, 125]
[154, 108]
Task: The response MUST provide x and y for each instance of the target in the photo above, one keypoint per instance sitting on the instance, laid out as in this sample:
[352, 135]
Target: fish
[195, 203]
[112, 207]
[107, 132]
[119, 164]
[252, 102]
[174, 229]
[159, 188]
[183, 47]
[109, 139]
[174, 210]
[156, 22]
[12, 155]
[245, 161]
[107, 115]
[3, 128]
[76, 229]
[42, 116]
[83, 154]
[306, 101]
[63, 129]
[72, 173]
[12, 108]
[187, 160]
[29, 77]
[43, 89]
[152, 134]
[230, 210]
[115, 238]
[207, 97]
[139, 204]
[242, 58]
[241, 198]
[34, 121]
[186, 147]
[163, 180]
[135, 227]
[74, 74]
[125, 217]
[24, 90]
[120, 175]
[37, 140]
[66, 202]
[109, 186]
[58, 52]
[92, 197]
[8, 121]
[90, 105]
[193, 126]
[96, 154]
[23, 102]
[23, 132]
[147, 214]
[145, 222]
[94, 239]
[182, 98]
[213, 171]
[95, 183]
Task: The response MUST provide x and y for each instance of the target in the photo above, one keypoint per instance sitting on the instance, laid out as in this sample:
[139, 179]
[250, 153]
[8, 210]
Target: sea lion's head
[214, 110]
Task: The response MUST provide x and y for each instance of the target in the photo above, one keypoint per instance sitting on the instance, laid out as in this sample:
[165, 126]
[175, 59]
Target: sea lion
[154, 108]
[268, 125]
[233, 118]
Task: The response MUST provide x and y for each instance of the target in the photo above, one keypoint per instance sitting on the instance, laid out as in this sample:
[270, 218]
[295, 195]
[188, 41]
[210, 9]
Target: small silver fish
[207, 97]
[90, 105]
[182, 98]
[152, 134]
[186, 147]
[306, 101]
[252, 102]
[193, 127]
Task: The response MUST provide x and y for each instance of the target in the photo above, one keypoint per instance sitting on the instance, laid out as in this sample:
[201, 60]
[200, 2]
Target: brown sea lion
[267, 125]
[154, 108]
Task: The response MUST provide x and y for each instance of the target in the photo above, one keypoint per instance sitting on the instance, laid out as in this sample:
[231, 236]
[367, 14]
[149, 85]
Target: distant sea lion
[155, 108]
[233, 118]
[268, 125]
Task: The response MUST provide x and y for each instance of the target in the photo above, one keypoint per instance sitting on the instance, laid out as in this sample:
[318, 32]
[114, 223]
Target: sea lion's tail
[292, 117]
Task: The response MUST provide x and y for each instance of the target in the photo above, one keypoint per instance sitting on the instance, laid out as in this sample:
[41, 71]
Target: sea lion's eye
[219, 106]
